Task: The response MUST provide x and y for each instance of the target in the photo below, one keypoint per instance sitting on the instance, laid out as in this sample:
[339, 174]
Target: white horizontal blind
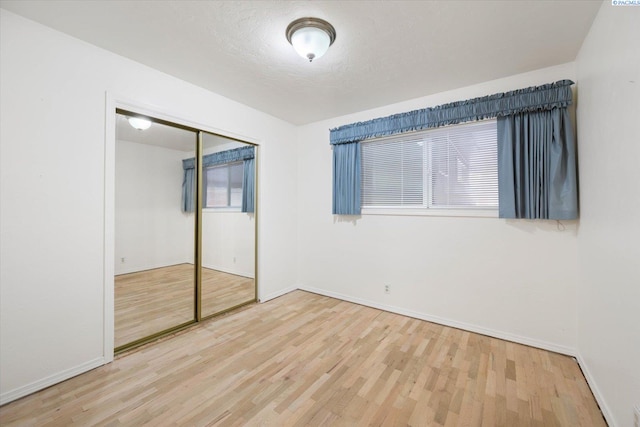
[392, 172]
[223, 185]
[453, 167]
[464, 172]
[236, 174]
[216, 186]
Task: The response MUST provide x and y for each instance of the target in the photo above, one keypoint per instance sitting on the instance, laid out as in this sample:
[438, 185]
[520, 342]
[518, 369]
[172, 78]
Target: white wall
[52, 201]
[151, 230]
[609, 152]
[228, 242]
[513, 279]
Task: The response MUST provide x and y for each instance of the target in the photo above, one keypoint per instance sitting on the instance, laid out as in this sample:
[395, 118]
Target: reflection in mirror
[154, 238]
[228, 224]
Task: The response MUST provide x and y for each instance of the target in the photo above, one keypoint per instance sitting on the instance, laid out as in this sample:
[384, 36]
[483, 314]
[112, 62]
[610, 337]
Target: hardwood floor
[150, 301]
[305, 359]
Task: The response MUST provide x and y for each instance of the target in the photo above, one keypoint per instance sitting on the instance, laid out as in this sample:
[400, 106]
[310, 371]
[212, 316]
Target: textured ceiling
[385, 51]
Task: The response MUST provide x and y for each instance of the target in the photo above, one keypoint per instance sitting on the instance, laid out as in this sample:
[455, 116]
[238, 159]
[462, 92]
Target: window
[223, 185]
[453, 167]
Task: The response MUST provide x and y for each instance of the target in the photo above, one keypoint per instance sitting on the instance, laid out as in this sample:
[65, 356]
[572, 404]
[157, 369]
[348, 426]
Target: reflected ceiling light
[311, 37]
[139, 123]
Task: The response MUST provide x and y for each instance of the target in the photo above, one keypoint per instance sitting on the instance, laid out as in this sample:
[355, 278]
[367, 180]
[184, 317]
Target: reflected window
[223, 185]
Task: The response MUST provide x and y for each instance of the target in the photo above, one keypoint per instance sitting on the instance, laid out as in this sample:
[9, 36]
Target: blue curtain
[248, 185]
[188, 186]
[537, 166]
[189, 179]
[346, 179]
[536, 158]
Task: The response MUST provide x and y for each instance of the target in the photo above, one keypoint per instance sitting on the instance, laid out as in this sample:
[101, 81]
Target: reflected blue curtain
[189, 179]
[228, 156]
[537, 166]
[248, 185]
[189, 186]
[346, 179]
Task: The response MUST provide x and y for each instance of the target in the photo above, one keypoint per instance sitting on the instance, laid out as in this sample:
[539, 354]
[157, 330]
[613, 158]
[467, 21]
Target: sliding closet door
[228, 224]
[154, 232]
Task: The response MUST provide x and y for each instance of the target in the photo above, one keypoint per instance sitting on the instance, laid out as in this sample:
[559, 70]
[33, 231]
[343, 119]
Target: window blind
[393, 172]
[223, 185]
[453, 167]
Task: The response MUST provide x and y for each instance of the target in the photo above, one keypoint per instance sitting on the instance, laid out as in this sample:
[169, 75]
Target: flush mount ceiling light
[139, 123]
[311, 37]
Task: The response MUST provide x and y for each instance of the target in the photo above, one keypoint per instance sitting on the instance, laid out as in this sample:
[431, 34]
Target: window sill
[474, 213]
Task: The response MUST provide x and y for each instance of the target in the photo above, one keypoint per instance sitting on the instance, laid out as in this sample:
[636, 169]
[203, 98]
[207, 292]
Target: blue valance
[227, 156]
[535, 98]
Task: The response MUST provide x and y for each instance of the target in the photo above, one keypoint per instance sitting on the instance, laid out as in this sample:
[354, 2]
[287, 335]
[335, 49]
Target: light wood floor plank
[305, 359]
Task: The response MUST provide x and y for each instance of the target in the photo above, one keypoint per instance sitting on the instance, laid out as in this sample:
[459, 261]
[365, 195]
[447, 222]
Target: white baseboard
[448, 322]
[25, 390]
[273, 295]
[596, 392]
[248, 274]
[120, 269]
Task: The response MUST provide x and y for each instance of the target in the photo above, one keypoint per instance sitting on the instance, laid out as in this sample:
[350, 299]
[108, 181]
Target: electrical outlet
[636, 416]
[122, 260]
[387, 289]
[234, 260]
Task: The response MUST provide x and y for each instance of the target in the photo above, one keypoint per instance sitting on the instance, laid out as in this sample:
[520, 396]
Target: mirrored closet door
[184, 227]
[228, 224]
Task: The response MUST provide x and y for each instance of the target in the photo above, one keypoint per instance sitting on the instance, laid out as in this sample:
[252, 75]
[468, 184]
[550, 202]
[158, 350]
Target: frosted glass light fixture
[139, 123]
[311, 37]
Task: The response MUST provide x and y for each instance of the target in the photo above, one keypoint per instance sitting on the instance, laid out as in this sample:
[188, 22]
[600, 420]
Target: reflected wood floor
[151, 301]
[221, 291]
[310, 360]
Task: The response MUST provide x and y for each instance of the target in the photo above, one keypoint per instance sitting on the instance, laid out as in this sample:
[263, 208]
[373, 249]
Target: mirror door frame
[118, 104]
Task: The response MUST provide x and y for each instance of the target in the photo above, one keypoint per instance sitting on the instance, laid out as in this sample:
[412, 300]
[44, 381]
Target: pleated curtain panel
[248, 184]
[346, 179]
[188, 185]
[537, 176]
[246, 154]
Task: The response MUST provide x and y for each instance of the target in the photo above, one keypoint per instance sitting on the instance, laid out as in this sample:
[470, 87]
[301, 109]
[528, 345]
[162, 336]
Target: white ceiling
[385, 51]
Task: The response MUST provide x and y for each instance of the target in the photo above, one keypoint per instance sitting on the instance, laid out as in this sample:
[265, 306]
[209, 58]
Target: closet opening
[185, 227]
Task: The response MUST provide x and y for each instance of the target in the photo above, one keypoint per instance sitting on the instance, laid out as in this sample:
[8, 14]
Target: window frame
[425, 209]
